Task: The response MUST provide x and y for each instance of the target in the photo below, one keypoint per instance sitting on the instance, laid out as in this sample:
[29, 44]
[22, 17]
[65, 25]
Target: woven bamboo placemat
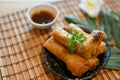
[21, 45]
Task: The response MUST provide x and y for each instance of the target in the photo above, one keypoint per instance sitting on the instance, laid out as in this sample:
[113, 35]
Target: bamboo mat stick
[21, 44]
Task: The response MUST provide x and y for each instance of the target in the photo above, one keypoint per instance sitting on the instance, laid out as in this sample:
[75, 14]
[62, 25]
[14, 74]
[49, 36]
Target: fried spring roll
[61, 36]
[102, 47]
[79, 30]
[74, 63]
[92, 43]
[89, 47]
[94, 61]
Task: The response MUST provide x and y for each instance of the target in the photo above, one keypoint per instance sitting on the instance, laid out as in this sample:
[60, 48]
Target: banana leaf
[115, 28]
[91, 21]
[115, 51]
[114, 61]
[101, 17]
[107, 24]
[113, 65]
[111, 43]
[73, 19]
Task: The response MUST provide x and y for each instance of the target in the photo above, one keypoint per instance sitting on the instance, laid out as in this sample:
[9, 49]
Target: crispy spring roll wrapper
[92, 43]
[78, 30]
[74, 63]
[61, 36]
[102, 47]
[89, 47]
[94, 61]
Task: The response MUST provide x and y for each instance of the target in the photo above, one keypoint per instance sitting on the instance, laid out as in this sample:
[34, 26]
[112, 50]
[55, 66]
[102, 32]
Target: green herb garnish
[75, 38]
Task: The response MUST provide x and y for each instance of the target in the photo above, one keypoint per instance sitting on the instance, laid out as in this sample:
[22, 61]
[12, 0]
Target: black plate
[58, 67]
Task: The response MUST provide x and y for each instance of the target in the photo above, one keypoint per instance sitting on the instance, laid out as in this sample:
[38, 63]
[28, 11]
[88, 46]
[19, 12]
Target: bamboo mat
[21, 45]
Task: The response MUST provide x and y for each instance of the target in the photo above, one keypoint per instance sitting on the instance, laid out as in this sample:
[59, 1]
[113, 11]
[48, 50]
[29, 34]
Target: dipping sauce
[42, 17]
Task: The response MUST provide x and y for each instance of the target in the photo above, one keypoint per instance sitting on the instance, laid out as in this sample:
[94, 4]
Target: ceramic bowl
[43, 6]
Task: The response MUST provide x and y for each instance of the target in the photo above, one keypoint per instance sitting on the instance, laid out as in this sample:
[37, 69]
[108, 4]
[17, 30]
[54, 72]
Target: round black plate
[58, 67]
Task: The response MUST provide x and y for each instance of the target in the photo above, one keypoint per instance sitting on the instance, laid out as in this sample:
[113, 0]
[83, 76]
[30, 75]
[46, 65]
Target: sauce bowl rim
[47, 5]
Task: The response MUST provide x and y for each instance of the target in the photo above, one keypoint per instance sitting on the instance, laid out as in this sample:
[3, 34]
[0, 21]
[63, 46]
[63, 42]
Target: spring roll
[92, 43]
[89, 47]
[74, 63]
[94, 61]
[102, 47]
[79, 30]
[62, 36]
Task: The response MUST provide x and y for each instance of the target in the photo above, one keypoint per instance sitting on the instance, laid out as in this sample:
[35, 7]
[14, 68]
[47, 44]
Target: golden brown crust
[94, 61]
[102, 46]
[79, 30]
[61, 36]
[74, 63]
[88, 49]
[85, 56]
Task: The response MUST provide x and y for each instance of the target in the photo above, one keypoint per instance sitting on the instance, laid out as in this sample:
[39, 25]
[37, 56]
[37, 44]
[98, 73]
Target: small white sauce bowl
[43, 6]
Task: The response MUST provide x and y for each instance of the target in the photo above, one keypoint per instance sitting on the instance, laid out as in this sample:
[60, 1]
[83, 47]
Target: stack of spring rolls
[85, 56]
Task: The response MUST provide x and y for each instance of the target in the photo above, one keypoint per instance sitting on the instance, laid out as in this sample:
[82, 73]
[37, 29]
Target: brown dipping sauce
[43, 17]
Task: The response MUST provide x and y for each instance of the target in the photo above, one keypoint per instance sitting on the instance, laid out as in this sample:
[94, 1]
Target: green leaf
[113, 65]
[114, 57]
[105, 23]
[114, 61]
[69, 35]
[115, 50]
[115, 28]
[91, 21]
[71, 45]
[111, 43]
[73, 32]
[75, 38]
[102, 26]
[73, 19]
